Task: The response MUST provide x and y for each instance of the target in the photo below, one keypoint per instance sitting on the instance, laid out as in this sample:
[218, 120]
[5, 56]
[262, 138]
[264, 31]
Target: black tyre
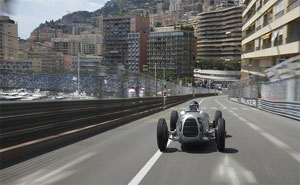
[162, 134]
[218, 114]
[173, 120]
[221, 134]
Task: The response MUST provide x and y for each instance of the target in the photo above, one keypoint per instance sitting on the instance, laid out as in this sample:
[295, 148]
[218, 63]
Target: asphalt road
[261, 148]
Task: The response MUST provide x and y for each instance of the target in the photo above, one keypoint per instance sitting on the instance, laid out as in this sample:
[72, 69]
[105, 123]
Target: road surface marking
[275, 140]
[223, 107]
[202, 107]
[214, 108]
[233, 108]
[143, 172]
[244, 108]
[242, 119]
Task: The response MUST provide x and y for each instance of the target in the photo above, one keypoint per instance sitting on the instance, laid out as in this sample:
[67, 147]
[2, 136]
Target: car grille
[190, 128]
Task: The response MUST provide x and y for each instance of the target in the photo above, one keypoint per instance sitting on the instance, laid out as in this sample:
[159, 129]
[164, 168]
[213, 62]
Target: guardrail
[283, 108]
[288, 109]
[21, 122]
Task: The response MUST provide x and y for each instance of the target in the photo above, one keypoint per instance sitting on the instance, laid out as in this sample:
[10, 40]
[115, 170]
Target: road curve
[261, 148]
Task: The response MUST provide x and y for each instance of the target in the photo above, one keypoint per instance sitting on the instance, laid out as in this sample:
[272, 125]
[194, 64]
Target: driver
[194, 106]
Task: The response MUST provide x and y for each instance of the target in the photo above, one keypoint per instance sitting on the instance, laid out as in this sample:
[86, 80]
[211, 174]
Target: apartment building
[9, 44]
[88, 64]
[137, 51]
[115, 36]
[173, 51]
[271, 34]
[16, 65]
[45, 60]
[219, 34]
[86, 44]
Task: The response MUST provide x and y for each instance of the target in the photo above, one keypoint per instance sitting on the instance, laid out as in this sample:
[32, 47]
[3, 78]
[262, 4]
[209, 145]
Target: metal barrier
[25, 121]
[288, 109]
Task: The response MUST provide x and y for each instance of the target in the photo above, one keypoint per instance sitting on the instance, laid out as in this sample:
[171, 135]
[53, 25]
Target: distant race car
[192, 125]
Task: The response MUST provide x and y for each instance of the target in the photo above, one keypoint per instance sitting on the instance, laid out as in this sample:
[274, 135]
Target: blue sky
[30, 13]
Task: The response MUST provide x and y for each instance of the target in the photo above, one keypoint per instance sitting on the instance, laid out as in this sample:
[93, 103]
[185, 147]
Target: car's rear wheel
[218, 114]
[220, 137]
[162, 134]
[173, 120]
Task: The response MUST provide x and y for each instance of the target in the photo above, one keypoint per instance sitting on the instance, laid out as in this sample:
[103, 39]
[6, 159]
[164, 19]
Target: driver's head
[194, 106]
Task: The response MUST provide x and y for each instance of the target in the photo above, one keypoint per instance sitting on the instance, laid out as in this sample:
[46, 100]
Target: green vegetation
[188, 28]
[218, 64]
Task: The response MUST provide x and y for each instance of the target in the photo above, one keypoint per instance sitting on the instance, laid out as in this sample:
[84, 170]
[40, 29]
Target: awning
[266, 36]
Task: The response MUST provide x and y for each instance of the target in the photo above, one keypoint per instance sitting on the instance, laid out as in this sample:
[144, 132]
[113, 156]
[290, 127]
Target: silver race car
[192, 125]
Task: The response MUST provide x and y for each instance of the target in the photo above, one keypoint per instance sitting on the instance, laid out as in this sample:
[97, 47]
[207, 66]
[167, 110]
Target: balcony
[266, 45]
[249, 50]
[258, 27]
[279, 14]
[293, 5]
[278, 42]
[257, 48]
[248, 18]
[248, 34]
[266, 22]
[293, 38]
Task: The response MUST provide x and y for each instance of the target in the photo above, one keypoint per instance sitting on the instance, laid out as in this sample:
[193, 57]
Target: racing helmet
[194, 106]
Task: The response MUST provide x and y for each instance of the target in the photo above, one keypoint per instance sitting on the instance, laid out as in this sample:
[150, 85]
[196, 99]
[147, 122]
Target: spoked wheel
[173, 120]
[218, 114]
[220, 134]
[162, 134]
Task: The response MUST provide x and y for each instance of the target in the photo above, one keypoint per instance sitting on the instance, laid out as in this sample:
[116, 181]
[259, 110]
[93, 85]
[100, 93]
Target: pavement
[261, 148]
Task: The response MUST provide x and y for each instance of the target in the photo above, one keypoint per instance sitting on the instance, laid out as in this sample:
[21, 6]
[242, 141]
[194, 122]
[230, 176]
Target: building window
[279, 9]
[257, 44]
[266, 40]
[268, 17]
[277, 37]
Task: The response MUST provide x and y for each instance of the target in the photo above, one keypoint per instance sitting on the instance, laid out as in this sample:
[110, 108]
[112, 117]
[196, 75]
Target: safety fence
[108, 84]
[280, 95]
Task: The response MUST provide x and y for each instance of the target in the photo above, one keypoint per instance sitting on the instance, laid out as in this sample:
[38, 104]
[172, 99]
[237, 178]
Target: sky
[29, 14]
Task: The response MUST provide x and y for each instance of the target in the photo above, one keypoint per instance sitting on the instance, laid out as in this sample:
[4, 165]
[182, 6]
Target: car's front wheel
[218, 114]
[173, 120]
[220, 134]
[162, 134]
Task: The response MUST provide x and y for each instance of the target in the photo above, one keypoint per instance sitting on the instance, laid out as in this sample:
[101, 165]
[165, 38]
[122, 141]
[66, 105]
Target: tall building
[115, 36]
[9, 44]
[271, 34]
[137, 51]
[86, 44]
[219, 34]
[173, 51]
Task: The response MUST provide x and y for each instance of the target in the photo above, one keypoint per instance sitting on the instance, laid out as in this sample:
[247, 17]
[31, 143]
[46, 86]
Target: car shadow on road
[204, 148]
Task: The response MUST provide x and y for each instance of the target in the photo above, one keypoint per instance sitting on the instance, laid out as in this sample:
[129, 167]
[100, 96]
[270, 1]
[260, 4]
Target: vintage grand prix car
[192, 125]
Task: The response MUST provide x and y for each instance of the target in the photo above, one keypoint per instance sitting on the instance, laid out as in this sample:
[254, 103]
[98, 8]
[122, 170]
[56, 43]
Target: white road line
[271, 138]
[242, 119]
[253, 126]
[143, 172]
[224, 108]
[233, 108]
[275, 140]
[214, 108]
[244, 108]
[202, 107]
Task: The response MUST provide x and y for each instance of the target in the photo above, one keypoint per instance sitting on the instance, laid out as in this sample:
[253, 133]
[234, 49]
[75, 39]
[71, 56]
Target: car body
[192, 126]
